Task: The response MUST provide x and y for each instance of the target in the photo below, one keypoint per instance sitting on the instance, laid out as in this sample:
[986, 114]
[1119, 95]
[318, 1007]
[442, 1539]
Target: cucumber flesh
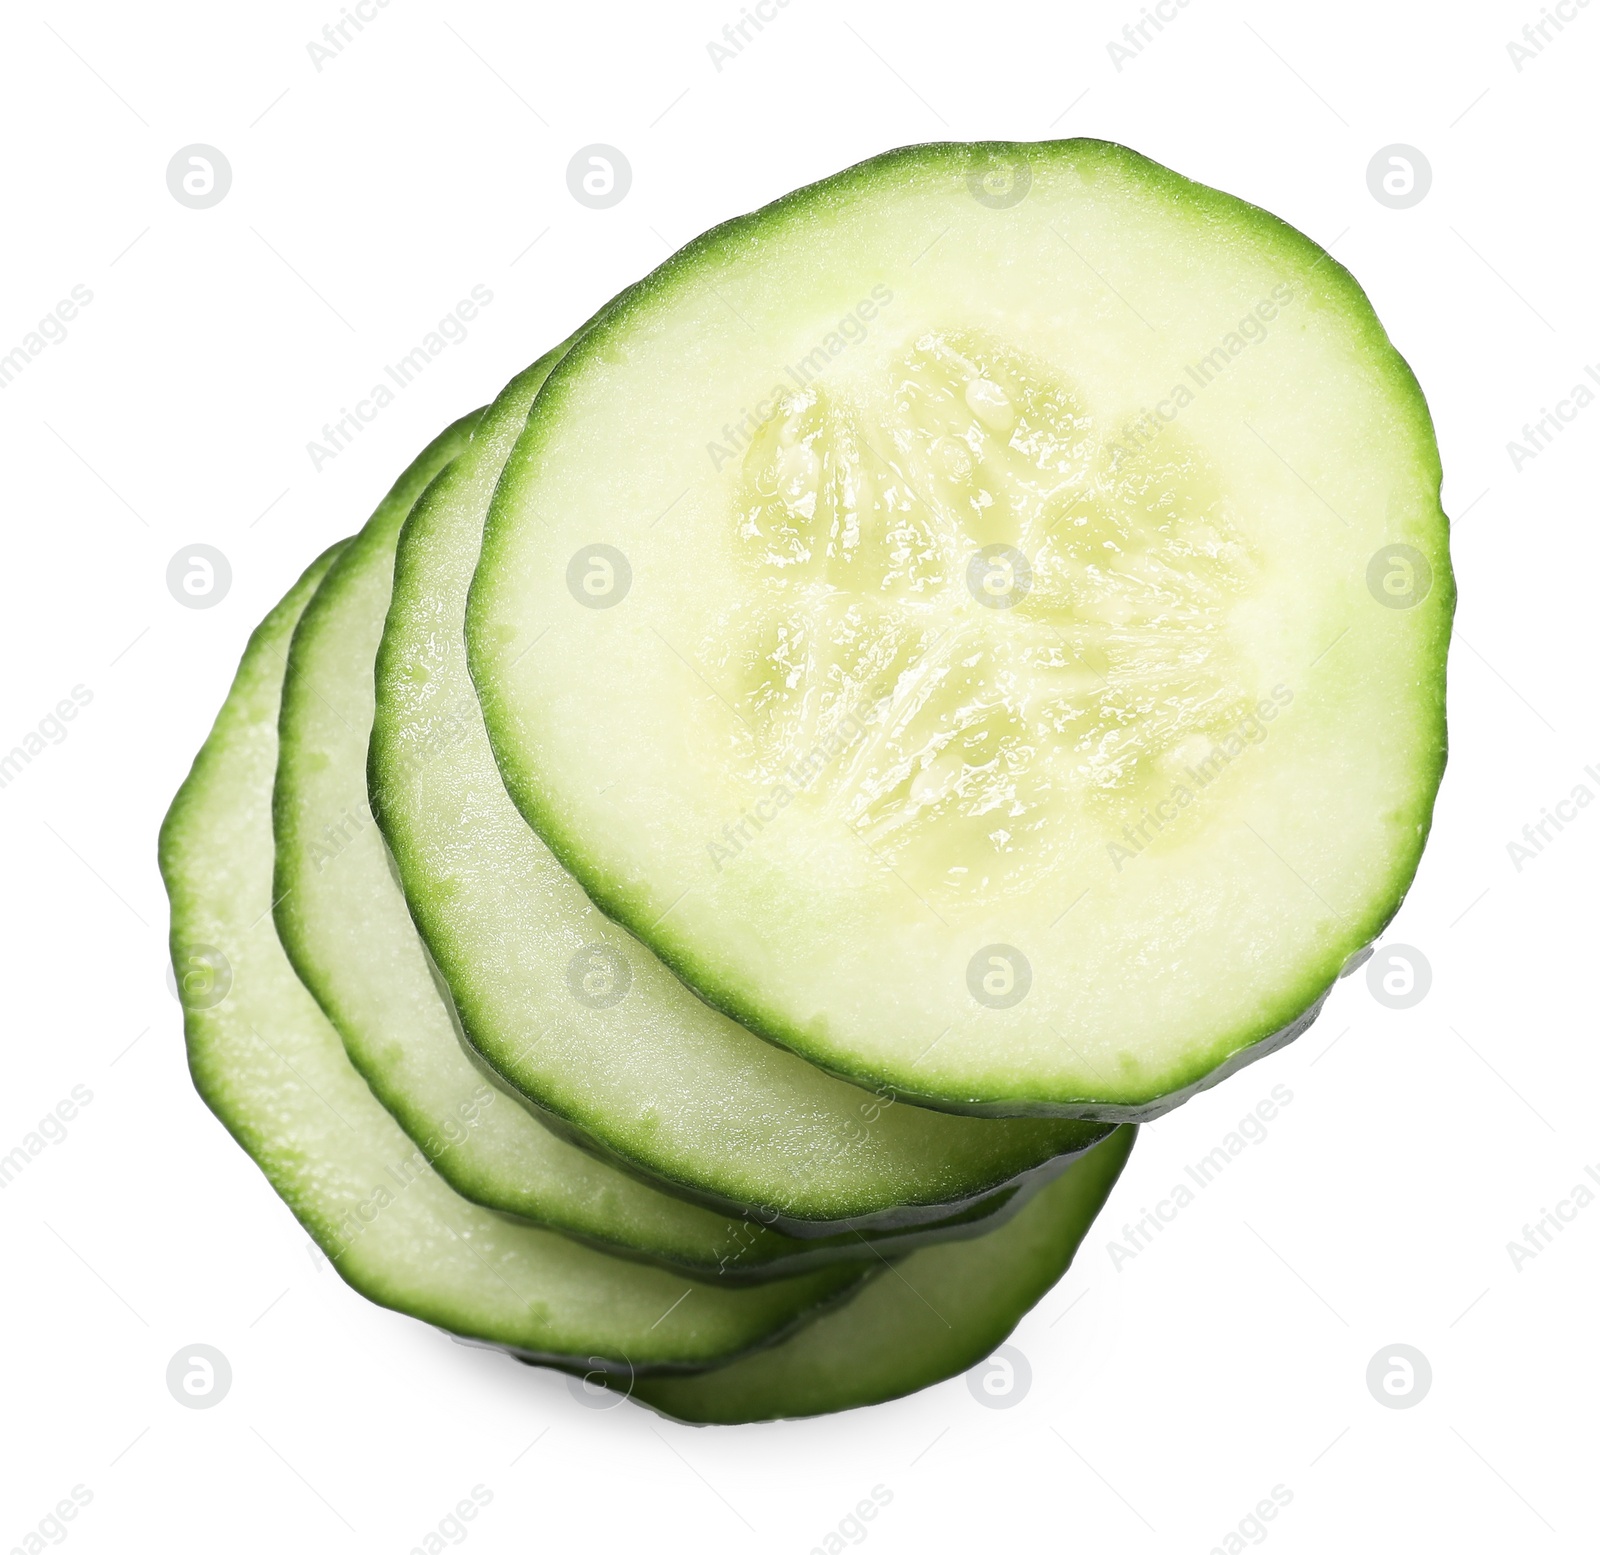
[1028, 692]
[274, 1071]
[344, 924]
[637, 1067]
[939, 1313]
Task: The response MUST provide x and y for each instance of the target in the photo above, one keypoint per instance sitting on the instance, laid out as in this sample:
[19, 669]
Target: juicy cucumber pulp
[580, 1018]
[982, 621]
[344, 924]
[945, 1310]
[274, 1071]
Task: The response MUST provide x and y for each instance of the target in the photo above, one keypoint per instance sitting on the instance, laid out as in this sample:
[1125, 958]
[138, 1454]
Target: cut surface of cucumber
[345, 926]
[982, 621]
[579, 1017]
[274, 1071]
[939, 1313]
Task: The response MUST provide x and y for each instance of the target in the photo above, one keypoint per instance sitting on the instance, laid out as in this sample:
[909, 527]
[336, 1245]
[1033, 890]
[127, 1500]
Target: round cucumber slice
[275, 1072]
[982, 621]
[940, 1313]
[579, 1017]
[344, 924]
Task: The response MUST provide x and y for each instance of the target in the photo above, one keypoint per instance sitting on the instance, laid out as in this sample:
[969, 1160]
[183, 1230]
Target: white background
[368, 198]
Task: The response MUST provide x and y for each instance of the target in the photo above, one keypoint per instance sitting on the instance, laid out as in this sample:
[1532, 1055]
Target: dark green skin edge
[783, 1245]
[893, 1338]
[747, 1254]
[751, 1250]
[811, 1241]
[1054, 1148]
[606, 331]
[823, 1287]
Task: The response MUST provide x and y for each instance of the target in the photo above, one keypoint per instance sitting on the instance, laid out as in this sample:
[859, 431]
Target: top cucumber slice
[274, 1071]
[982, 621]
[578, 1016]
[344, 924]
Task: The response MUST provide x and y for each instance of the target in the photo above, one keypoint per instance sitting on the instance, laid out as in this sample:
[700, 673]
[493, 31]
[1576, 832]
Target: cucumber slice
[945, 1309]
[345, 927]
[1023, 681]
[275, 1072]
[636, 1066]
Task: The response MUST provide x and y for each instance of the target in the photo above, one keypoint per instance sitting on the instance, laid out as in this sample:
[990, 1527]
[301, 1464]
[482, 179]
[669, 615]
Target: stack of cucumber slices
[700, 889]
